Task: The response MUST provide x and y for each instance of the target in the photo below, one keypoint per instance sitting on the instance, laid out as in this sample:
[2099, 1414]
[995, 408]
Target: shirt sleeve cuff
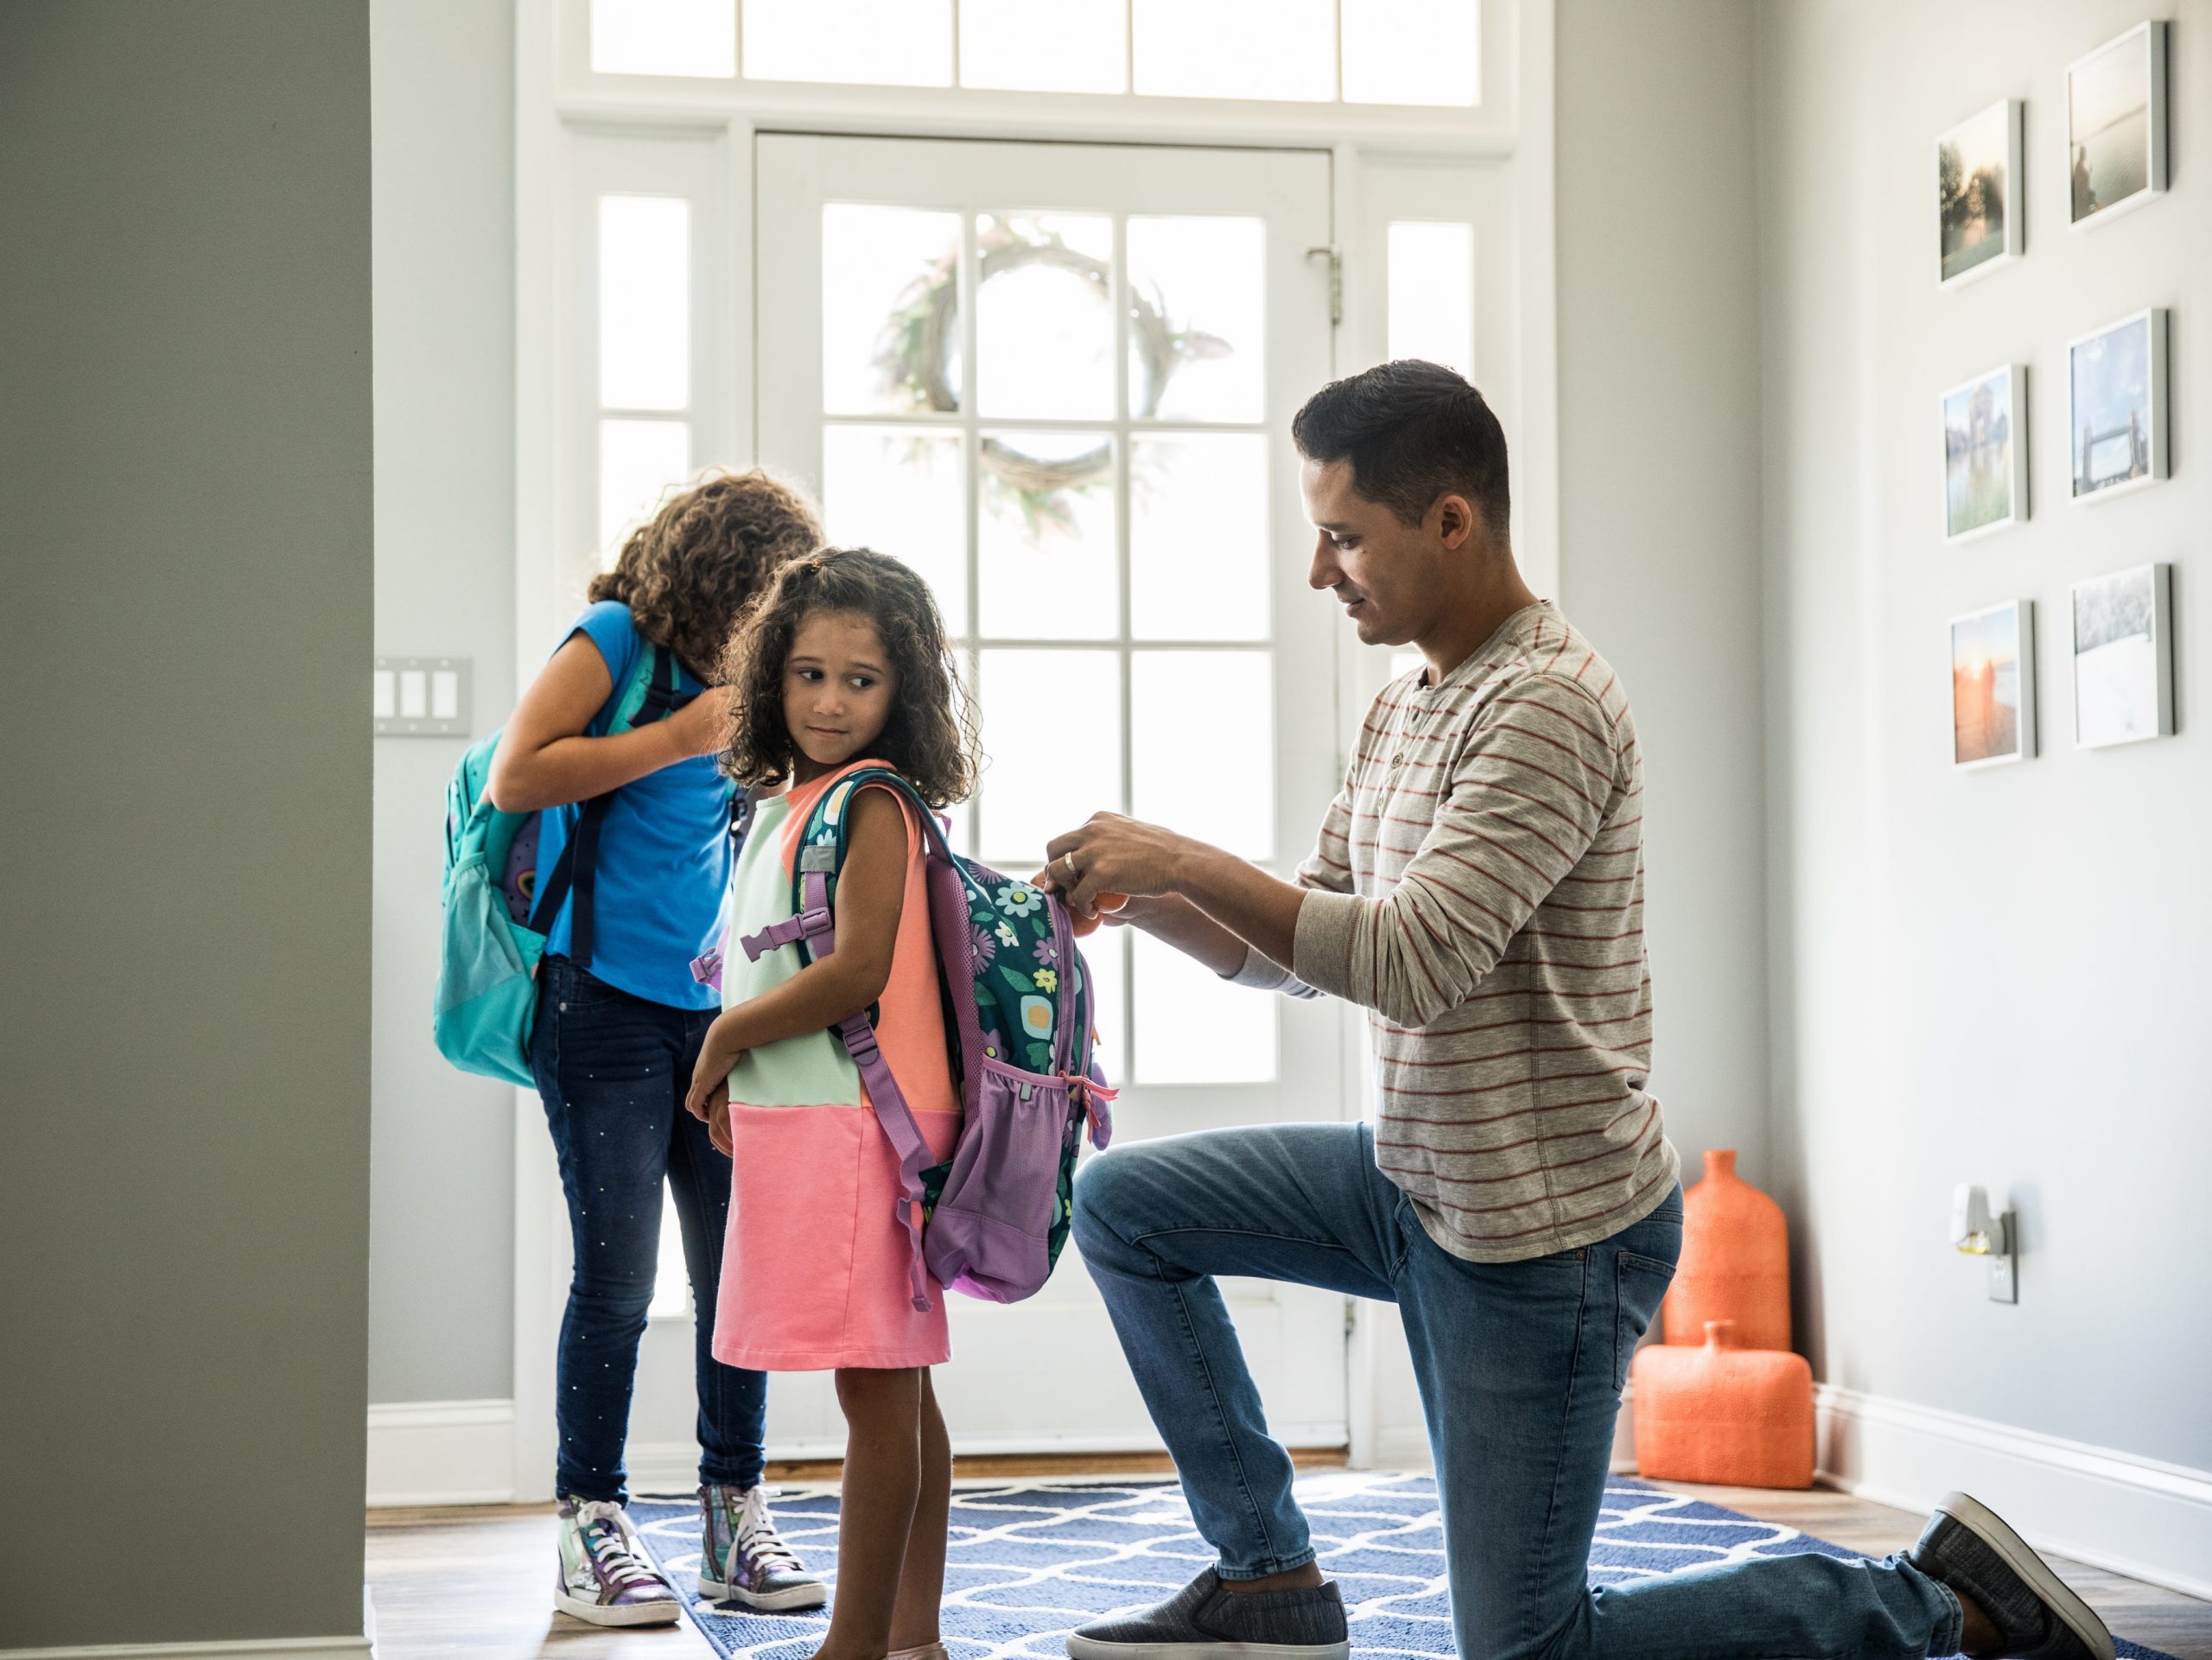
[1321, 948]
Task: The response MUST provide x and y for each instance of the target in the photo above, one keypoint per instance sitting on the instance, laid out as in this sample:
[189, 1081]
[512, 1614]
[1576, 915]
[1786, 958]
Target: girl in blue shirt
[619, 1023]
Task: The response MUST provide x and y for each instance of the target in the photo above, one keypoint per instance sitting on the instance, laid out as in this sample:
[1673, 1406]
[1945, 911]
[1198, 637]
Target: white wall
[441, 1298]
[1994, 977]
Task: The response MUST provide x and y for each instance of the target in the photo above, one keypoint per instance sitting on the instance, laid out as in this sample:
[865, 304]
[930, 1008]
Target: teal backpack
[498, 915]
[1018, 1008]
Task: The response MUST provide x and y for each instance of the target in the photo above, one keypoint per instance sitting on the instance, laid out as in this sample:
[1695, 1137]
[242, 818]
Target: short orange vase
[1739, 1417]
[1735, 1262]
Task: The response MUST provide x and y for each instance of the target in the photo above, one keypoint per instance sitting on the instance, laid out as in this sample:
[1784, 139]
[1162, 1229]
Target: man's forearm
[1255, 907]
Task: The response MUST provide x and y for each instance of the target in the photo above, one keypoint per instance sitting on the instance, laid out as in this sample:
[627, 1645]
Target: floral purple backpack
[990, 1221]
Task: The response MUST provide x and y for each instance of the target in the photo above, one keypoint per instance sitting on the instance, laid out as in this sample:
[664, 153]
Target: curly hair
[931, 737]
[688, 573]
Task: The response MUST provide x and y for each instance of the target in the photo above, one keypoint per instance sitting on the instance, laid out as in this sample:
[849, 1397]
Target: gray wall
[1659, 531]
[185, 500]
[1992, 976]
[441, 1215]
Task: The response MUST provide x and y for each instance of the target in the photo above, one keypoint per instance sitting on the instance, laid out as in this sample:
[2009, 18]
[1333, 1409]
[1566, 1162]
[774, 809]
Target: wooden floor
[475, 1581]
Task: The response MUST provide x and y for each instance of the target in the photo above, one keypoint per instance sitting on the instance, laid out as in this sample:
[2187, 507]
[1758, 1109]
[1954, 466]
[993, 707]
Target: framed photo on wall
[1985, 453]
[2116, 410]
[1978, 229]
[2116, 125]
[2123, 658]
[1994, 686]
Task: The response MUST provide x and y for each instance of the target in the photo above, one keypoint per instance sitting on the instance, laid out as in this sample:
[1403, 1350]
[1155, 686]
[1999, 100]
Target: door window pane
[900, 490]
[871, 43]
[890, 311]
[1203, 746]
[1433, 294]
[1044, 46]
[671, 1278]
[1045, 320]
[663, 37]
[1197, 318]
[1052, 734]
[1236, 48]
[1192, 1026]
[1046, 545]
[639, 461]
[644, 303]
[1412, 51]
[1106, 954]
[1199, 536]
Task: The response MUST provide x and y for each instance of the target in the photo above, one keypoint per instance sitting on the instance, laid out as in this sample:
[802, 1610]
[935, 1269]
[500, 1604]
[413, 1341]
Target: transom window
[1361, 52]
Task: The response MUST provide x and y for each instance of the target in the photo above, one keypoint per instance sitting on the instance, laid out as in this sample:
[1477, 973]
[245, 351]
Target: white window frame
[562, 109]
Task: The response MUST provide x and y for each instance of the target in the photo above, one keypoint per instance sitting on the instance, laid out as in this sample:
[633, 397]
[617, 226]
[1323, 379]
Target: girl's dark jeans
[613, 1070]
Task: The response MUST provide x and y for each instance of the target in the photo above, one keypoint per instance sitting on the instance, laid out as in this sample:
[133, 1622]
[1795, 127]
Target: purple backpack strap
[816, 924]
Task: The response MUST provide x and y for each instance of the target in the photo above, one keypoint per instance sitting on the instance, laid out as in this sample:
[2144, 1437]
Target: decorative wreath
[914, 357]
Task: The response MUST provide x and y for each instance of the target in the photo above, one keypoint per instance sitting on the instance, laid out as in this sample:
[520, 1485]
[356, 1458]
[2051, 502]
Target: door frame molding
[557, 101]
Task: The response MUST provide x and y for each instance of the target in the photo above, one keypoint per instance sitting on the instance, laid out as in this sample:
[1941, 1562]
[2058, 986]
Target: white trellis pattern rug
[1030, 1561]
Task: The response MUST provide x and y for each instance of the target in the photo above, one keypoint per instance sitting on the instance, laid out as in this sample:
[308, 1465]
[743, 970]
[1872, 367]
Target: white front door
[1058, 379]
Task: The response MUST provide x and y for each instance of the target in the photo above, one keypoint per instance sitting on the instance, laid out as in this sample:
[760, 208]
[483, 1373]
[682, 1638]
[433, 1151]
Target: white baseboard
[2148, 1520]
[442, 1453]
[263, 1648]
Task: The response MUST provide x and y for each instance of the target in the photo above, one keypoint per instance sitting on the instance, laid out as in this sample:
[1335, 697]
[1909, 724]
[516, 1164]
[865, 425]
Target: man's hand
[1113, 854]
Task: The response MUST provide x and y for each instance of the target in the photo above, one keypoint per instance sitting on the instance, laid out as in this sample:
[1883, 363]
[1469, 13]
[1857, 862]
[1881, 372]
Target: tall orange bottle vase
[1735, 1262]
[1718, 1412]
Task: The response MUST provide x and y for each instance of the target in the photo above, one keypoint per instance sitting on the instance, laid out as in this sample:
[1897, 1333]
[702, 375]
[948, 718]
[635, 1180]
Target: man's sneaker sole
[770, 1602]
[661, 1612]
[2016, 1553]
[1089, 1648]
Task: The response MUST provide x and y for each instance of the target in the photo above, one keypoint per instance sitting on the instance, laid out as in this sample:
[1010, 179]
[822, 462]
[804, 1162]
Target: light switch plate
[420, 696]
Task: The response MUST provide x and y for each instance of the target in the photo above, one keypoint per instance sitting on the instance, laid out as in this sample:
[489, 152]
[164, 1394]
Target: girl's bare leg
[921, 1582]
[882, 1481]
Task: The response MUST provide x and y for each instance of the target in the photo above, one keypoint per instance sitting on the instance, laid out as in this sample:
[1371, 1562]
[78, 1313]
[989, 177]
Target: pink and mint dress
[816, 1262]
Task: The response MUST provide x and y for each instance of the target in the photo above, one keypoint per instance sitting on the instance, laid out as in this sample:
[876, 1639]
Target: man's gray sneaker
[1205, 1621]
[1968, 1547]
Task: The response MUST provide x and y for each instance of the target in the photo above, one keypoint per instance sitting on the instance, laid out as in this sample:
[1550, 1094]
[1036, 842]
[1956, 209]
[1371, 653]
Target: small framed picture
[1984, 470]
[2123, 658]
[2116, 382]
[1978, 228]
[1994, 686]
[2116, 125]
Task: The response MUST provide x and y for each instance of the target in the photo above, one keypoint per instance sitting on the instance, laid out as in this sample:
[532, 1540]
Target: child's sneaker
[605, 1576]
[743, 1559]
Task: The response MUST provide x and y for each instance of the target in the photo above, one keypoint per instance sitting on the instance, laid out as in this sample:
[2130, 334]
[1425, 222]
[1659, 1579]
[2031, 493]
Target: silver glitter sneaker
[742, 1558]
[605, 1576]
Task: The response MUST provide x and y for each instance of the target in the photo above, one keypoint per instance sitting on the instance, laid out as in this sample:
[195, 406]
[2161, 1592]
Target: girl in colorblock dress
[842, 665]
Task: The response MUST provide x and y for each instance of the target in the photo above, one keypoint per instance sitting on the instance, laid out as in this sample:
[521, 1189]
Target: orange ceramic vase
[1740, 1417]
[1735, 1262]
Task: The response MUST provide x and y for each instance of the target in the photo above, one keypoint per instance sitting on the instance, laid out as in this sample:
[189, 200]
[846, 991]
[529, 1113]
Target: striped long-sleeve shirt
[1478, 887]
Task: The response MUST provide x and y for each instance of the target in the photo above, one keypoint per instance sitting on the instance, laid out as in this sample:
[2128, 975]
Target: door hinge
[1336, 280]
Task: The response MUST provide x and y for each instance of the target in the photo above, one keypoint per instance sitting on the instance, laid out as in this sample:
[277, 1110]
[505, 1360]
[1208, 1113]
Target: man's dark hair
[1413, 431]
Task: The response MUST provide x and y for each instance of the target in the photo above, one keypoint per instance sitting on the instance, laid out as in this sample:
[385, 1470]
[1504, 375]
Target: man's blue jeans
[613, 1070]
[1520, 1365]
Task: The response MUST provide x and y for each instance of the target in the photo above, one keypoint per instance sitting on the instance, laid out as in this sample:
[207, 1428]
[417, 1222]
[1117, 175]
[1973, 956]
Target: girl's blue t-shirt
[664, 851]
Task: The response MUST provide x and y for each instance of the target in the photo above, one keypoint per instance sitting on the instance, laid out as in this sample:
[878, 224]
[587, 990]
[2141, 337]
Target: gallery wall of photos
[2118, 623]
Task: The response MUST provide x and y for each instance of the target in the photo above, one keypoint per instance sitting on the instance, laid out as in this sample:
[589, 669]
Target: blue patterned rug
[1030, 1561]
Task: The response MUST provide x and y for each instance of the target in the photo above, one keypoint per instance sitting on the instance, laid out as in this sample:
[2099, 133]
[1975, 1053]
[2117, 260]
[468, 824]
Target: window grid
[740, 70]
[969, 642]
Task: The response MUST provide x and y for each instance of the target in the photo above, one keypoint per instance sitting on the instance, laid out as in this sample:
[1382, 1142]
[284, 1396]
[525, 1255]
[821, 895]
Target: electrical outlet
[419, 696]
[2004, 1268]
